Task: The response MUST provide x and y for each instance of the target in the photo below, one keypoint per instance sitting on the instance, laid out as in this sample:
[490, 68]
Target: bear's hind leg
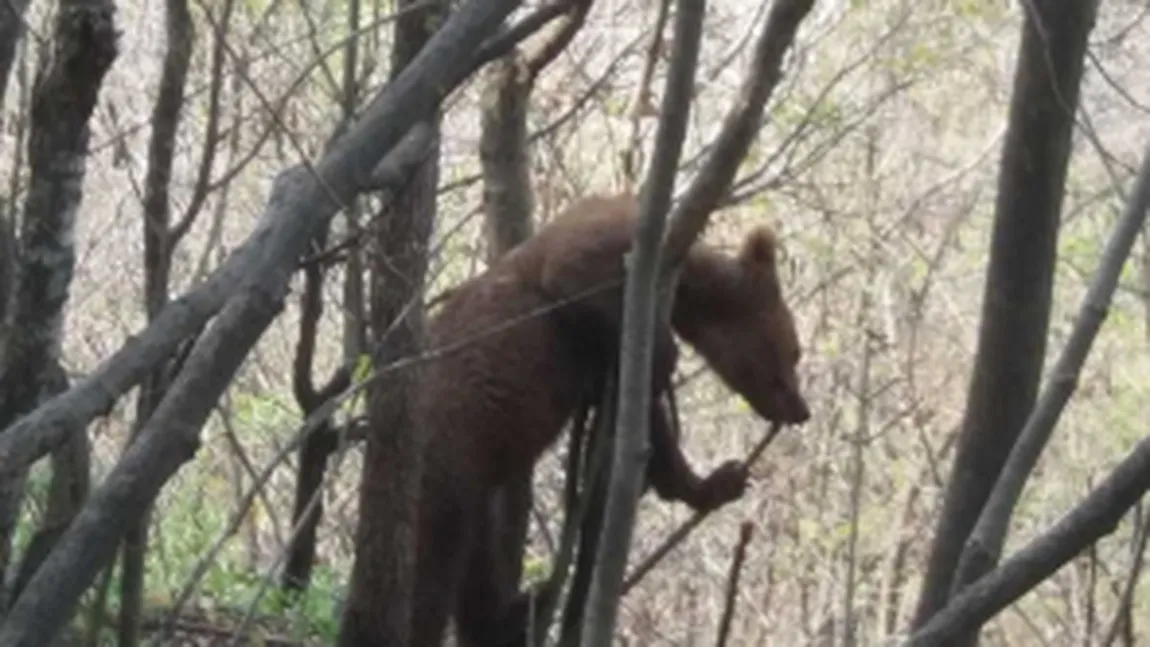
[487, 590]
[448, 524]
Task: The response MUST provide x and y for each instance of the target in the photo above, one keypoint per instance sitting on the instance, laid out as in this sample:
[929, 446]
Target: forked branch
[737, 132]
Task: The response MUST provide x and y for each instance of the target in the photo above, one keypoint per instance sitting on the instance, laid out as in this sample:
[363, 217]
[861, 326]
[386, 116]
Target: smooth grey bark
[62, 102]
[67, 491]
[1095, 517]
[640, 314]
[1019, 280]
[740, 125]
[984, 547]
[300, 204]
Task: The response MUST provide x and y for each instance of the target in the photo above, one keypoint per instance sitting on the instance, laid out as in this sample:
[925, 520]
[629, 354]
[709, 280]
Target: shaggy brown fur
[493, 404]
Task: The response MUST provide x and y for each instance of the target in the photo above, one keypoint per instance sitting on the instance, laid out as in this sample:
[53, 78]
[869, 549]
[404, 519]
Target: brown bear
[519, 343]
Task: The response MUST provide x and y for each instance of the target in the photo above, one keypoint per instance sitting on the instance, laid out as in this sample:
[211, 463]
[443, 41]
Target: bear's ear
[761, 247]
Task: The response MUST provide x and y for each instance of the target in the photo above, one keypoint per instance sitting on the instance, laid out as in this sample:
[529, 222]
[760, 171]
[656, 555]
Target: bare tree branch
[984, 547]
[738, 130]
[67, 492]
[641, 104]
[745, 531]
[676, 537]
[640, 314]
[169, 439]
[560, 37]
[159, 243]
[300, 204]
[1123, 616]
[1095, 517]
[1019, 281]
[211, 138]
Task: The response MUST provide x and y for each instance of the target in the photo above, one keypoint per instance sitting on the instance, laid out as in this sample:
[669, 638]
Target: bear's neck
[707, 283]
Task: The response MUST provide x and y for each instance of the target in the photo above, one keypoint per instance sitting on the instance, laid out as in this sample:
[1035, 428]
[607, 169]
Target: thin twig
[1126, 602]
[745, 531]
[682, 531]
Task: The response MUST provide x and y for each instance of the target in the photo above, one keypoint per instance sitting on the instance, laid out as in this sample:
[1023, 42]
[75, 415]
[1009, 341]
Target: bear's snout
[795, 410]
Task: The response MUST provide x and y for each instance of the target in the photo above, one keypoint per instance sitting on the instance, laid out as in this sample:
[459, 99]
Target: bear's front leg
[673, 479]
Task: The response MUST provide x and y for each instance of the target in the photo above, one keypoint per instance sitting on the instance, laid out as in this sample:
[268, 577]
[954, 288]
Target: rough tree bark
[1019, 280]
[7, 260]
[11, 31]
[62, 102]
[378, 611]
[247, 292]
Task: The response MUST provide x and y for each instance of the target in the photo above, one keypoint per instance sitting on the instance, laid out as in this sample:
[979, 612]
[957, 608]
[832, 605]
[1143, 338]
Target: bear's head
[732, 312]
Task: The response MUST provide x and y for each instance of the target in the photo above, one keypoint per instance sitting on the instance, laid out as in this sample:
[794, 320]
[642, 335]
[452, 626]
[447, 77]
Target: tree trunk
[1017, 296]
[158, 247]
[307, 510]
[508, 203]
[11, 31]
[63, 100]
[379, 606]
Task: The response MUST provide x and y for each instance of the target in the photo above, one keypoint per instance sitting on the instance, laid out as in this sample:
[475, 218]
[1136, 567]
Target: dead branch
[501, 44]
[641, 105]
[679, 534]
[745, 530]
[1123, 617]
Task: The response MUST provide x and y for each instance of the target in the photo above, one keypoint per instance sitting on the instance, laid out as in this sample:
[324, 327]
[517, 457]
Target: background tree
[379, 603]
[31, 334]
[1019, 280]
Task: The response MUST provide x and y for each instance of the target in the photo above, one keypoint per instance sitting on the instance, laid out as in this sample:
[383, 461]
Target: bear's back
[505, 379]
